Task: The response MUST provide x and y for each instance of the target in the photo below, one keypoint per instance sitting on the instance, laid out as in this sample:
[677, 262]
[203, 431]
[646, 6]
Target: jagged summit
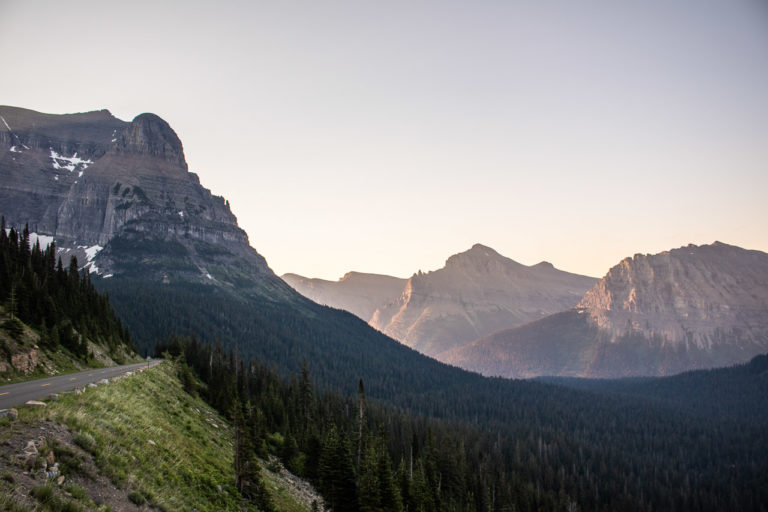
[148, 134]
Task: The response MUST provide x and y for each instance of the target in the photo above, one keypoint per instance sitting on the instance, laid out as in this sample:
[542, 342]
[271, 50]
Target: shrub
[85, 441]
[137, 498]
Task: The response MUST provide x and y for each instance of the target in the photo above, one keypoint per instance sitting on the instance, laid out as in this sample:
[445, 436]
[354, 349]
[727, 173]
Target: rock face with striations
[692, 297]
[91, 180]
[477, 292]
[688, 308]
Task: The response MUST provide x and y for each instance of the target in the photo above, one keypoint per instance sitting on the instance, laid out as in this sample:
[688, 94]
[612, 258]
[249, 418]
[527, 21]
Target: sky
[386, 136]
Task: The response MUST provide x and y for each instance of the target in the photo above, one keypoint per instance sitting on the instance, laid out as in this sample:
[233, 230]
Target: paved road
[17, 394]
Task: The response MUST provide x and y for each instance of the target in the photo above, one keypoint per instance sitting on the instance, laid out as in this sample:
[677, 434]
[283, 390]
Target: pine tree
[337, 475]
[388, 491]
[247, 470]
[369, 490]
[360, 419]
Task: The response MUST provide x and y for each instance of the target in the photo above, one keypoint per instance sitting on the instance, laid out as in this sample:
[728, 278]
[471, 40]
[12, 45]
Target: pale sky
[385, 136]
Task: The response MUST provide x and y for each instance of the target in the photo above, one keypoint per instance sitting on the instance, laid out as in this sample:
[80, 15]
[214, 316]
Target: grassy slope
[147, 435]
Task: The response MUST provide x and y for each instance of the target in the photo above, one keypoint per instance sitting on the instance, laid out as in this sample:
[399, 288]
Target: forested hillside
[60, 304]
[521, 446]
[738, 392]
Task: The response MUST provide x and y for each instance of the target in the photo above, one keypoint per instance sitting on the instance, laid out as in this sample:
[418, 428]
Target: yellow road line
[43, 385]
[1, 394]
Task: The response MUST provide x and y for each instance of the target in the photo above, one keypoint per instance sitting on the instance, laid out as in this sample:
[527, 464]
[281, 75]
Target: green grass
[153, 439]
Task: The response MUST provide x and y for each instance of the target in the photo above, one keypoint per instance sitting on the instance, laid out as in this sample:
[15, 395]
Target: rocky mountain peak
[479, 291]
[149, 134]
[694, 294]
[479, 258]
[91, 180]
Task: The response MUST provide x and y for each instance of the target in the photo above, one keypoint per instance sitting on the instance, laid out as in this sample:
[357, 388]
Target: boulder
[35, 403]
[9, 413]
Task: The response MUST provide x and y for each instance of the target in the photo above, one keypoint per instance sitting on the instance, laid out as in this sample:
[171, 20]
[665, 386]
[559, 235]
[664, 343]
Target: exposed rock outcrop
[26, 362]
[692, 296]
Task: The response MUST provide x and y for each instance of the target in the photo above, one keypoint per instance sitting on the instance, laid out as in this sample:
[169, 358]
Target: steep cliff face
[359, 293]
[477, 292]
[91, 180]
[684, 309]
[693, 296]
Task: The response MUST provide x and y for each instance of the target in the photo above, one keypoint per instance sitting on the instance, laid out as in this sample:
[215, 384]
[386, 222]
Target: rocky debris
[52, 471]
[12, 414]
[35, 403]
[92, 385]
[301, 490]
[103, 382]
[53, 396]
[29, 455]
[30, 448]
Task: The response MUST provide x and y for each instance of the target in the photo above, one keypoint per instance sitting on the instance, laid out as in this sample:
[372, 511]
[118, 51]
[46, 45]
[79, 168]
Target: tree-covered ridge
[601, 453]
[62, 304]
[737, 392]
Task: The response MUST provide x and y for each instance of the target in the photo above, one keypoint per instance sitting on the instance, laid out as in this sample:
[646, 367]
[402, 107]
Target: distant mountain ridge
[359, 293]
[695, 307]
[477, 292]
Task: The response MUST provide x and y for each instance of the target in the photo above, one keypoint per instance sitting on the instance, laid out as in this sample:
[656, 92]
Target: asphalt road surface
[12, 395]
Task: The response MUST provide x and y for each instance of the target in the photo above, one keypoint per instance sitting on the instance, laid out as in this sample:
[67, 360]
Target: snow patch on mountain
[69, 163]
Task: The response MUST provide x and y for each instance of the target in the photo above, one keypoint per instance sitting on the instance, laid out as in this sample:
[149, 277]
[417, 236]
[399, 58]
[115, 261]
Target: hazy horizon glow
[385, 136]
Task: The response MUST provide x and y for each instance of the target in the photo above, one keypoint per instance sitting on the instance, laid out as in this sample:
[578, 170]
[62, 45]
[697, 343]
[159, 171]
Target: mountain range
[119, 196]
[170, 255]
[359, 293]
[689, 308]
[174, 263]
[476, 293]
